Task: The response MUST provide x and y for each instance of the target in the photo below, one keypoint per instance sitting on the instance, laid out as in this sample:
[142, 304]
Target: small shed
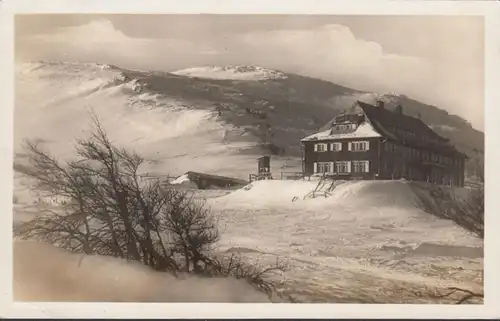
[264, 164]
[205, 181]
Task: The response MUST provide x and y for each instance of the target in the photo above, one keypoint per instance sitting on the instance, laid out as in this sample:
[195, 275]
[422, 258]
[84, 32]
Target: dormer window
[343, 127]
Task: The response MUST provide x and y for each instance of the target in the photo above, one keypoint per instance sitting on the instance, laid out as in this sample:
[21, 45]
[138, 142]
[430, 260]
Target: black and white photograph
[249, 158]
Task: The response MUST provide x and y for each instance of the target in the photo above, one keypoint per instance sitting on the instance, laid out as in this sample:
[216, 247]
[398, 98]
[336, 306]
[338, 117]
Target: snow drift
[45, 273]
[54, 101]
[367, 237]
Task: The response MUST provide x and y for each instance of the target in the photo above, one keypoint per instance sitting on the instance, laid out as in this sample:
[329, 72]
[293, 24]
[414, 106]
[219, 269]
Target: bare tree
[109, 210]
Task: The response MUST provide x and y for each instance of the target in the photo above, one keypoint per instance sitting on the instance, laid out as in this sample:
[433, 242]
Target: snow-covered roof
[364, 130]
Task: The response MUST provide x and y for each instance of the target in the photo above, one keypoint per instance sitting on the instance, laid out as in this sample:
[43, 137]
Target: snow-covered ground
[63, 276]
[366, 242]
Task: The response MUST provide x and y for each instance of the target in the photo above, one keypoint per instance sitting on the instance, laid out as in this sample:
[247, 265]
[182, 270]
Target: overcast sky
[438, 60]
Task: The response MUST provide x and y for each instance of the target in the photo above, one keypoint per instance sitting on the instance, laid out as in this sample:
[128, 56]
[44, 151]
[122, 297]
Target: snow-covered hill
[54, 100]
[232, 72]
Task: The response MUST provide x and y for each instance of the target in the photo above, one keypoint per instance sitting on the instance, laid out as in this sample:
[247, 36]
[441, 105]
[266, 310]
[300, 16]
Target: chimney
[380, 104]
[399, 110]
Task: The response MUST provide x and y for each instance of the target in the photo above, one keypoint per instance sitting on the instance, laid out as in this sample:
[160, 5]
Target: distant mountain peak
[232, 72]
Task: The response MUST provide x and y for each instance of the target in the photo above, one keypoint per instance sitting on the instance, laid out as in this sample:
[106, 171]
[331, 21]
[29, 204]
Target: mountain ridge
[276, 112]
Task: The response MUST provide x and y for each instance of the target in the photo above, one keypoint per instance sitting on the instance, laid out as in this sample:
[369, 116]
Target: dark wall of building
[398, 162]
[372, 155]
[390, 164]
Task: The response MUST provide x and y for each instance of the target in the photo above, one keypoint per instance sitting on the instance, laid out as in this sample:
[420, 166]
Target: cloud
[97, 40]
[334, 51]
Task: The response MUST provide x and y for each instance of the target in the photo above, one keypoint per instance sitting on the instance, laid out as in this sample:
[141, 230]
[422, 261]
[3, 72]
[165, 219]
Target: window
[343, 167]
[323, 167]
[320, 147]
[361, 166]
[359, 146]
[344, 127]
[336, 147]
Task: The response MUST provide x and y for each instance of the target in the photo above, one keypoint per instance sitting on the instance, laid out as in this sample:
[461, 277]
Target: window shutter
[315, 168]
[367, 166]
[349, 146]
[367, 145]
[339, 145]
[315, 147]
[348, 166]
[332, 169]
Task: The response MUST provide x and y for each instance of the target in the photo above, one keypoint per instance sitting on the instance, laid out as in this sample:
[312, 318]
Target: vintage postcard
[225, 153]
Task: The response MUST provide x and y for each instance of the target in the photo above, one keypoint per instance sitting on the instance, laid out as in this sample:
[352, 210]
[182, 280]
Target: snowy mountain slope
[168, 116]
[310, 100]
[53, 103]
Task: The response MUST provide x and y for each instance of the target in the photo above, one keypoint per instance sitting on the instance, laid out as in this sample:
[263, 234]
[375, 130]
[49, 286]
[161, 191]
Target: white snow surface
[63, 276]
[368, 237]
[53, 101]
[181, 179]
[231, 72]
[364, 130]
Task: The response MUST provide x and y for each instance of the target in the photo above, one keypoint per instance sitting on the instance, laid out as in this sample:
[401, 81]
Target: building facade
[372, 142]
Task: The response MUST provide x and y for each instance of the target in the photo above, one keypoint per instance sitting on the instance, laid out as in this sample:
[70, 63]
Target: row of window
[344, 127]
[359, 146]
[421, 154]
[357, 166]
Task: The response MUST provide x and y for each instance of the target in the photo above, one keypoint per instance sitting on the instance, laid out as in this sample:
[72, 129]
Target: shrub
[111, 211]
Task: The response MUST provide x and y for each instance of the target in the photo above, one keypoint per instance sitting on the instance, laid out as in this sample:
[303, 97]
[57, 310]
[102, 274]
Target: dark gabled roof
[384, 120]
[194, 175]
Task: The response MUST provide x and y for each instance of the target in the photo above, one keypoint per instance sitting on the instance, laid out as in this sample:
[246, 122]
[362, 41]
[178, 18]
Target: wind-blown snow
[53, 101]
[232, 73]
[366, 237]
[46, 273]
